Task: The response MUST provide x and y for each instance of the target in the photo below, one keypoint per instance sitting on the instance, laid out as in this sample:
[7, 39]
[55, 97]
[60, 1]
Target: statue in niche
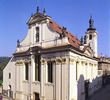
[64, 31]
[18, 43]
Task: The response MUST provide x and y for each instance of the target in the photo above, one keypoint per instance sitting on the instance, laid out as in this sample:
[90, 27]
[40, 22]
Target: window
[26, 71]
[37, 34]
[90, 37]
[73, 41]
[77, 70]
[50, 72]
[37, 68]
[9, 76]
[50, 22]
[72, 36]
[59, 27]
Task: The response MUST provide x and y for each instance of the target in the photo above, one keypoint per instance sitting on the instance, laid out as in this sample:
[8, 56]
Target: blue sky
[73, 14]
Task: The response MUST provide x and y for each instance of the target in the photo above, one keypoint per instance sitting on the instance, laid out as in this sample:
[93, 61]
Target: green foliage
[1, 83]
[3, 63]
[4, 59]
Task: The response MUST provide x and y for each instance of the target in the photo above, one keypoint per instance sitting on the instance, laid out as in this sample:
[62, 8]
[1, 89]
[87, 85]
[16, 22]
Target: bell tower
[91, 36]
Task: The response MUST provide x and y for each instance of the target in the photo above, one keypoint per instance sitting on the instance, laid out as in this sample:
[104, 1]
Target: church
[51, 63]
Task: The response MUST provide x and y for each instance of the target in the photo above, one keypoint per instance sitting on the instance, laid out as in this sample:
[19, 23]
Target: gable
[88, 51]
[37, 18]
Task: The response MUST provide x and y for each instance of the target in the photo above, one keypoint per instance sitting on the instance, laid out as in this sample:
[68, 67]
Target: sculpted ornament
[58, 61]
[82, 63]
[63, 60]
[43, 62]
[71, 61]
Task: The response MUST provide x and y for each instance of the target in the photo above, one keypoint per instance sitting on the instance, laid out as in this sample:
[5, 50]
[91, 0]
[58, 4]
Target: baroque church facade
[52, 64]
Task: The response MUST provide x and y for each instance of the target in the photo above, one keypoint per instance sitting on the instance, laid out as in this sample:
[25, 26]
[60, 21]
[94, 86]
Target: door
[37, 96]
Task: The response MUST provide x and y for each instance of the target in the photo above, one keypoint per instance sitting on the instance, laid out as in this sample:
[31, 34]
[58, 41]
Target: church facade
[52, 64]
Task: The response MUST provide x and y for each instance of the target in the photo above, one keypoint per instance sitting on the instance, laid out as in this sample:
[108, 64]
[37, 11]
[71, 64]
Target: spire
[44, 11]
[91, 21]
[91, 14]
[37, 9]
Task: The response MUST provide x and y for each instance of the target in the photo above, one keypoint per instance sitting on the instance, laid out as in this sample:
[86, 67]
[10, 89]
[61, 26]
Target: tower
[91, 36]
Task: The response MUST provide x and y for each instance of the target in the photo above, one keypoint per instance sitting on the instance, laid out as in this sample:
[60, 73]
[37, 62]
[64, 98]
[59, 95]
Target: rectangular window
[50, 72]
[37, 34]
[9, 75]
[37, 68]
[26, 71]
[76, 70]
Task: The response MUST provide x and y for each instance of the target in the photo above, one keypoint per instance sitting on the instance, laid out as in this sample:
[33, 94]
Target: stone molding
[95, 65]
[42, 97]
[19, 92]
[63, 60]
[82, 63]
[45, 21]
[71, 61]
[43, 62]
[21, 63]
[58, 61]
[90, 64]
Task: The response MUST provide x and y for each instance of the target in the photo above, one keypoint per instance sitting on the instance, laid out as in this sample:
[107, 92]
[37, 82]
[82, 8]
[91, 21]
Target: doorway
[36, 96]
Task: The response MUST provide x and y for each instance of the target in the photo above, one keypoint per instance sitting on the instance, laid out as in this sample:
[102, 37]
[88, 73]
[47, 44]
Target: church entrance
[37, 96]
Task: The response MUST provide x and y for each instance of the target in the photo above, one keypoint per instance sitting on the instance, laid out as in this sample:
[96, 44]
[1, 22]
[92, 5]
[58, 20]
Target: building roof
[103, 59]
[73, 40]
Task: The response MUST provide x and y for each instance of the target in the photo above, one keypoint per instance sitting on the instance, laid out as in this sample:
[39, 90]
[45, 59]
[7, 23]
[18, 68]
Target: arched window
[90, 37]
[37, 34]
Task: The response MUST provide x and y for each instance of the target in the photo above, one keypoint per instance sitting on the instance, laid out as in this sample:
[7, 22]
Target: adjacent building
[51, 63]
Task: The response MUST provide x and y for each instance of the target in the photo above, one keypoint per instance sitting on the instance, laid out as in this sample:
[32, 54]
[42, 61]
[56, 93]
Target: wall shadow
[86, 87]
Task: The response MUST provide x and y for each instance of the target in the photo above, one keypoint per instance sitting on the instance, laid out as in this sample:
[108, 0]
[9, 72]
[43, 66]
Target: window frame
[9, 75]
[50, 72]
[26, 71]
[90, 37]
[37, 68]
[37, 34]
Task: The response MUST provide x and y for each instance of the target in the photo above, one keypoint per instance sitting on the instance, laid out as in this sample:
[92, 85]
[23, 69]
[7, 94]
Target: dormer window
[37, 34]
[90, 37]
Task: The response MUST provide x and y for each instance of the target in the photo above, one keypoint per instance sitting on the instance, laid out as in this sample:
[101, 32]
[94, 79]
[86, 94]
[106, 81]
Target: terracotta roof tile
[73, 40]
[99, 56]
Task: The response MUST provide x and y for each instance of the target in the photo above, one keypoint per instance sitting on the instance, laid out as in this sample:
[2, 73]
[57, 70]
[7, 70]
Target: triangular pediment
[37, 18]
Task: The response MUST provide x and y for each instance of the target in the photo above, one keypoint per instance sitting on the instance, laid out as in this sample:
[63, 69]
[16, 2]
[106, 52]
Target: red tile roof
[99, 56]
[73, 40]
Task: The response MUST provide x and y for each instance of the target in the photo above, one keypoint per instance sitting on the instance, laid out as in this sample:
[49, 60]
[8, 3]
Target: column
[58, 79]
[42, 88]
[71, 79]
